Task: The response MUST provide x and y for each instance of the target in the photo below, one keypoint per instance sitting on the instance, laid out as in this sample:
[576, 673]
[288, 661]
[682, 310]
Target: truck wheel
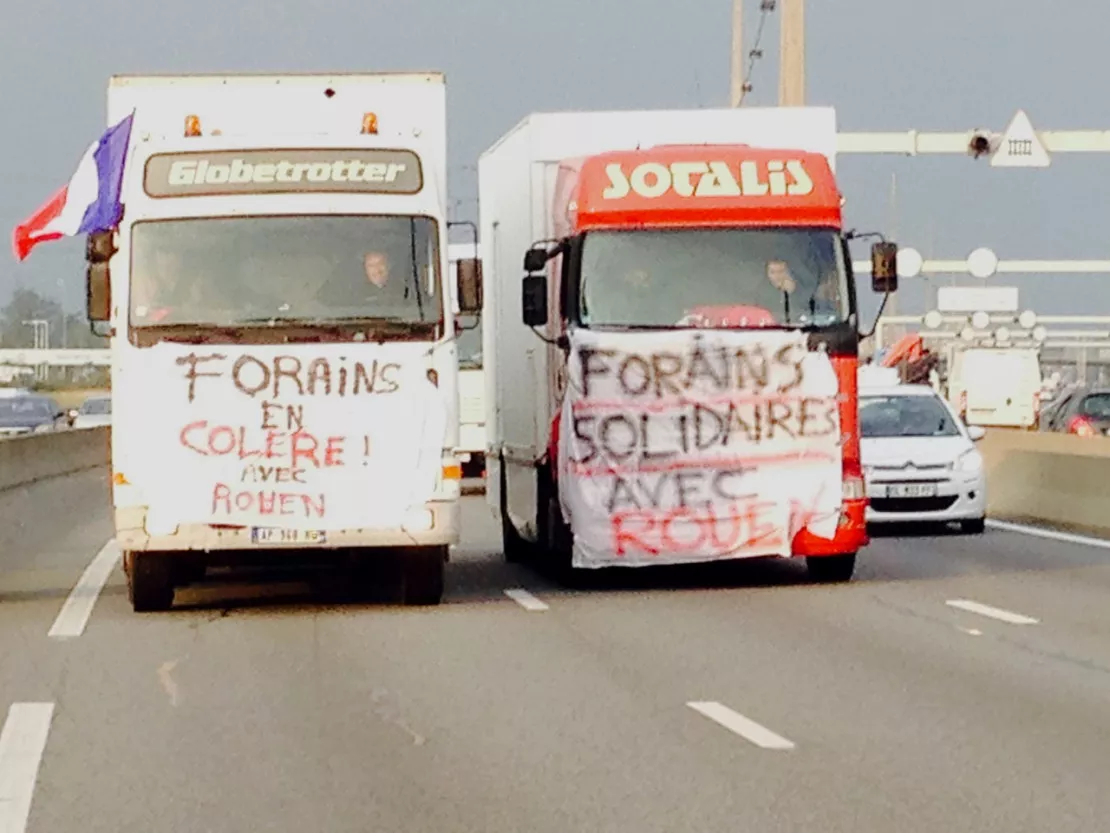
[149, 581]
[422, 576]
[560, 544]
[831, 568]
[513, 546]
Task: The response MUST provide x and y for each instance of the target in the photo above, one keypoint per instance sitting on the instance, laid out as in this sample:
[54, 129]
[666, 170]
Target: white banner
[312, 437]
[697, 445]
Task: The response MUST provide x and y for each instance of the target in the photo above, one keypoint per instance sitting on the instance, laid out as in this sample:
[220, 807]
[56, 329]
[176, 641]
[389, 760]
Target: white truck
[472, 382]
[996, 386]
[284, 372]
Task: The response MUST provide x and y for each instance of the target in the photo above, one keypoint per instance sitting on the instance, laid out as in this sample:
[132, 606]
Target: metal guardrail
[98, 357]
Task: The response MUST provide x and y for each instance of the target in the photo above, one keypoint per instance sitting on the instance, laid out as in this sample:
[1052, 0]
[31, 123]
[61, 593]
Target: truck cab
[643, 407]
[284, 369]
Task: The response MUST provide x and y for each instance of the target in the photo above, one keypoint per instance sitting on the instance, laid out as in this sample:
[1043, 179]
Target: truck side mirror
[468, 282]
[533, 300]
[98, 292]
[535, 260]
[100, 246]
[884, 267]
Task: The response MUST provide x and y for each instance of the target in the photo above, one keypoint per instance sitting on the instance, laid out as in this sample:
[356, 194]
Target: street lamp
[41, 336]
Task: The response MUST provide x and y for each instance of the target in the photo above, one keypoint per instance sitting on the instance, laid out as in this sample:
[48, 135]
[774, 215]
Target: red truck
[674, 380]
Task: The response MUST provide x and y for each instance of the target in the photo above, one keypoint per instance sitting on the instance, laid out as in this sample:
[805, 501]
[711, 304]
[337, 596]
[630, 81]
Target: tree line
[66, 330]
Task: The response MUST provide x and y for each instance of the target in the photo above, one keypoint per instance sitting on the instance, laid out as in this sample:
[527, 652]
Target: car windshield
[713, 277]
[905, 416]
[96, 407]
[231, 271]
[1096, 405]
[25, 408]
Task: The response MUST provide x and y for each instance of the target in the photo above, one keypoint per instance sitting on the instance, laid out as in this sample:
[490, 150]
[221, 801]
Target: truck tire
[560, 547]
[830, 569]
[149, 581]
[422, 576]
[513, 546]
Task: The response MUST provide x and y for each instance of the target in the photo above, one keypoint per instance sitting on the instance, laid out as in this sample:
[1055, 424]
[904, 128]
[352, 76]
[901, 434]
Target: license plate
[287, 537]
[911, 490]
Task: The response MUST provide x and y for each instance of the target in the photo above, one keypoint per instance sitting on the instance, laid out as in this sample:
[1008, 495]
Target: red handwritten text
[227, 502]
[300, 447]
[746, 525]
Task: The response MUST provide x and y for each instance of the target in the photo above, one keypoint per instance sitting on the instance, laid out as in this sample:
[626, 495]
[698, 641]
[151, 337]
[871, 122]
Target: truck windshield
[302, 270]
[713, 278]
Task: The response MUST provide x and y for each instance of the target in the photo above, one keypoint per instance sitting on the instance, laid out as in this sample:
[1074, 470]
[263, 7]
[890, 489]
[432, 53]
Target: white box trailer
[997, 387]
[518, 178]
[284, 370]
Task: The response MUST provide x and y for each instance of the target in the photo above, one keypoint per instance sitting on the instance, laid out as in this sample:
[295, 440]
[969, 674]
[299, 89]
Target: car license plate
[287, 537]
[911, 490]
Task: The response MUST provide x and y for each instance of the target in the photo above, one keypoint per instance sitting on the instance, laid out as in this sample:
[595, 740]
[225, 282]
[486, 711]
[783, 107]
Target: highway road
[960, 684]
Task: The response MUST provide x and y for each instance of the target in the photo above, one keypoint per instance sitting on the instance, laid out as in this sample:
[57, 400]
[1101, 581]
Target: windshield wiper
[338, 325]
[366, 321]
[190, 333]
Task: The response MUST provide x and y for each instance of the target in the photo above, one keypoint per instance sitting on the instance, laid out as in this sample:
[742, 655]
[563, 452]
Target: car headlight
[970, 461]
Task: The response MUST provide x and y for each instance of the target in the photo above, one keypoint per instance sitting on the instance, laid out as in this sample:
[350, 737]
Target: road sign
[977, 299]
[1020, 146]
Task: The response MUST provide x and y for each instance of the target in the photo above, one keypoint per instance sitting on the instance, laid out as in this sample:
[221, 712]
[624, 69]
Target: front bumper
[434, 524]
[959, 497]
[851, 534]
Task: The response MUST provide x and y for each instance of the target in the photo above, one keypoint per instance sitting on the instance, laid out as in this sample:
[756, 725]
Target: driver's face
[778, 273]
[377, 268]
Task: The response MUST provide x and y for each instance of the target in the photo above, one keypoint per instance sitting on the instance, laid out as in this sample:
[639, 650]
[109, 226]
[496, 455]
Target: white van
[996, 386]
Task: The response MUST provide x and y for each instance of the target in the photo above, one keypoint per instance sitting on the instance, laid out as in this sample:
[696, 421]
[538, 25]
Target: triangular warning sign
[1020, 147]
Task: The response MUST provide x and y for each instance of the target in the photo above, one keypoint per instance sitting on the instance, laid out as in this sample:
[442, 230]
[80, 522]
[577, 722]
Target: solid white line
[736, 722]
[22, 742]
[1051, 534]
[525, 599]
[75, 613]
[993, 612]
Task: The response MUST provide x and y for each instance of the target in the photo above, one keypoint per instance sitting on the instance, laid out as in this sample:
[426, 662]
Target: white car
[96, 411]
[919, 459]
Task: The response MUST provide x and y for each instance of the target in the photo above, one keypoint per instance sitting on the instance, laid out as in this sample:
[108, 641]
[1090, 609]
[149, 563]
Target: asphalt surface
[894, 703]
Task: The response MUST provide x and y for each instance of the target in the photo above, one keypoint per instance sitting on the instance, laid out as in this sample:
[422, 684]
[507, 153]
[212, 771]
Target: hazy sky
[885, 65]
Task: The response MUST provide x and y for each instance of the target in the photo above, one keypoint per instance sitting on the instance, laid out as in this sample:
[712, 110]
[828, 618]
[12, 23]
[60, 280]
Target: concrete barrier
[1056, 479]
[26, 459]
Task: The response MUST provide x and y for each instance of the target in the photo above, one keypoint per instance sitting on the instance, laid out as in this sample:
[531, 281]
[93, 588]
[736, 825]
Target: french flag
[91, 200]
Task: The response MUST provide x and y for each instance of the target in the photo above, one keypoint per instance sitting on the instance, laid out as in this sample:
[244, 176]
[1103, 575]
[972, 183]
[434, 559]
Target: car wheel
[975, 526]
